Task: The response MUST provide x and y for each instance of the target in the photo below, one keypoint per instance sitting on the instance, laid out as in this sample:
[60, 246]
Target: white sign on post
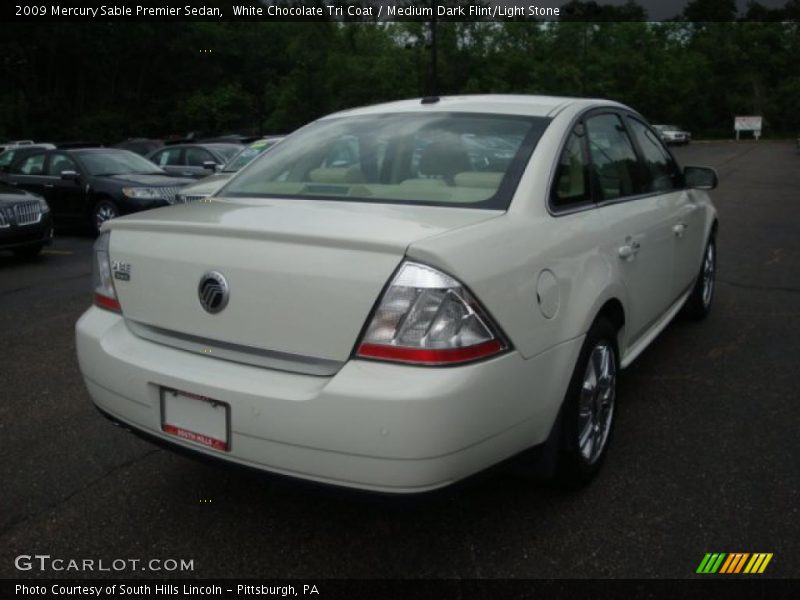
[747, 124]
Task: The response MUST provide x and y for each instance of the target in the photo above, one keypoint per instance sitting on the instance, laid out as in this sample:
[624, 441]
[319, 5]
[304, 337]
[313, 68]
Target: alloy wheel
[709, 266]
[596, 404]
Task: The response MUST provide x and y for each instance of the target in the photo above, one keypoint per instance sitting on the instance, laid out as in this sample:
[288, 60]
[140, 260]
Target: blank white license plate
[195, 418]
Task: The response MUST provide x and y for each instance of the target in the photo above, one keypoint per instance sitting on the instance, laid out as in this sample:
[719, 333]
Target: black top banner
[401, 10]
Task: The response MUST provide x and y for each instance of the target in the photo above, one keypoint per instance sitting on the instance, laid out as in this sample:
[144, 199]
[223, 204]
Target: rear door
[638, 222]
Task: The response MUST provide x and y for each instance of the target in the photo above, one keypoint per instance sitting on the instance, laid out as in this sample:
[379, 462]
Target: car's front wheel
[103, 211]
[589, 407]
[698, 305]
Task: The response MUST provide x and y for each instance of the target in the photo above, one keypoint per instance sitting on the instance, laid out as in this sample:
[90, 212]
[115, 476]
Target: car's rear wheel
[698, 305]
[103, 211]
[589, 409]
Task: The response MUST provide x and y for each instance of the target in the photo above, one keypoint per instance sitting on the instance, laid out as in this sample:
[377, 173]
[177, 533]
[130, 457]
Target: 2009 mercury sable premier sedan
[402, 295]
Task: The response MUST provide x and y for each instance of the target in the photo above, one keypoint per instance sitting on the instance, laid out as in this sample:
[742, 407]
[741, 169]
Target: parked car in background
[465, 283]
[672, 134]
[25, 223]
[141, 146]
[193, 160]
[208, 185]
[13, 153]
[93, 185]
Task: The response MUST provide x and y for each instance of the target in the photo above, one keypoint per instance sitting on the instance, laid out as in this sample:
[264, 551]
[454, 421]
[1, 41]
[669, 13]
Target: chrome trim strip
[259, 357]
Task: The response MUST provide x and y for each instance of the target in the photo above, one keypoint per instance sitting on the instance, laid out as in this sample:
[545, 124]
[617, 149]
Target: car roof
[93, 150]
[513, 104]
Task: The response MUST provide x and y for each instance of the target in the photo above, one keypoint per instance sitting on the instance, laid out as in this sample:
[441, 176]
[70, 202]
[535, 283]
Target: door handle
[629, 250]
[679, 229]
[49, 185]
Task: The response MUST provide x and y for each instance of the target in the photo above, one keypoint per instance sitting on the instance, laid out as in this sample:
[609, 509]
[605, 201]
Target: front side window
[197, 157]
[614, 162]
[571, 187]
[661, 174]
[458, 159]
[33, 165]
[59, 163]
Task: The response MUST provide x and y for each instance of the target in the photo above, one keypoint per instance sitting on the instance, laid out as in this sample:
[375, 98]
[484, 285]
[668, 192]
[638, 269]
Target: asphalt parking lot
[706, 455]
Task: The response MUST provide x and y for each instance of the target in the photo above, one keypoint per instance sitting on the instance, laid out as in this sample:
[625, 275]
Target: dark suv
[93, 185]
[25, 225]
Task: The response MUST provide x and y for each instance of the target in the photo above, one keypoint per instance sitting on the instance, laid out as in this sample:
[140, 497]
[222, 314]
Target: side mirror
[70, 175]
[210, 165]
[700, 178]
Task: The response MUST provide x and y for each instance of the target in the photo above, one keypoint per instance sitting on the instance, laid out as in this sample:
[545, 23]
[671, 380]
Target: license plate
[195, 418]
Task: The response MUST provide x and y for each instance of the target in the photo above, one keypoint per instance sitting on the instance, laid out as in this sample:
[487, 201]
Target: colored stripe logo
[734, 563]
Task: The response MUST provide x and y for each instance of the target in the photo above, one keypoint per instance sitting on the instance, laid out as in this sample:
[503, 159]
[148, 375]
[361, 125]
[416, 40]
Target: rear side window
[7, 157]
[571, 187]
[614, 163]
[660, 173]
[33, 165]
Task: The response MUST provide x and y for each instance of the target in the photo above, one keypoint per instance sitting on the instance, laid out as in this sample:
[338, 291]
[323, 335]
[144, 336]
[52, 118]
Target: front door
[640, 236]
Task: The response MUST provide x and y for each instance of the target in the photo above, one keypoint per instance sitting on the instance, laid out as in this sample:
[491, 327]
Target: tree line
[109, 81]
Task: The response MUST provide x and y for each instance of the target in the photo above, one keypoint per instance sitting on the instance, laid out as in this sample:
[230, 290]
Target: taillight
[426, 317]
[104, 294]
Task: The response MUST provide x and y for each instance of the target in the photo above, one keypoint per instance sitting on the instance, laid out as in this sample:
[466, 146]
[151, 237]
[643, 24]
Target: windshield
[227, 151]
[463, 159]
[117, 162]
[246, 155]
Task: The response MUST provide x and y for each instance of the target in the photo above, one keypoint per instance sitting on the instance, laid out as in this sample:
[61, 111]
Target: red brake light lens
[105, 296]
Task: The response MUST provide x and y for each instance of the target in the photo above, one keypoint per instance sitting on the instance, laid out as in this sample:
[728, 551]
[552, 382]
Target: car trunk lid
[302, 275]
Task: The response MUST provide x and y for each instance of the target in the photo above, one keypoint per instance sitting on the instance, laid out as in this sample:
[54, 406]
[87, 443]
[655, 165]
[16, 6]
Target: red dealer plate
[195, 418]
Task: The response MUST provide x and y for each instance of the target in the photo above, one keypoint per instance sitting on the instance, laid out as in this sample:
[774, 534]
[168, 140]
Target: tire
[103, 211]
[588, 413]
[698, 305]
[29, 251]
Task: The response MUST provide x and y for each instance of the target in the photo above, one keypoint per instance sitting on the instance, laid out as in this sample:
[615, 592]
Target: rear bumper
[372, 425]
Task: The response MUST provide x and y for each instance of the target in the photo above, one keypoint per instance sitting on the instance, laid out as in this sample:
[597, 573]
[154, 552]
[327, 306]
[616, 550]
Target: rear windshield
[447, 159]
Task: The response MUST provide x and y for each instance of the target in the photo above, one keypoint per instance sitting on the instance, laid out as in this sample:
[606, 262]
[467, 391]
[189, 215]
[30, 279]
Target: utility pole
[434, 73]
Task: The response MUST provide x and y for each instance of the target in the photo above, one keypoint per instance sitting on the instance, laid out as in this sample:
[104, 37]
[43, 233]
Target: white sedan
[399, 296]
